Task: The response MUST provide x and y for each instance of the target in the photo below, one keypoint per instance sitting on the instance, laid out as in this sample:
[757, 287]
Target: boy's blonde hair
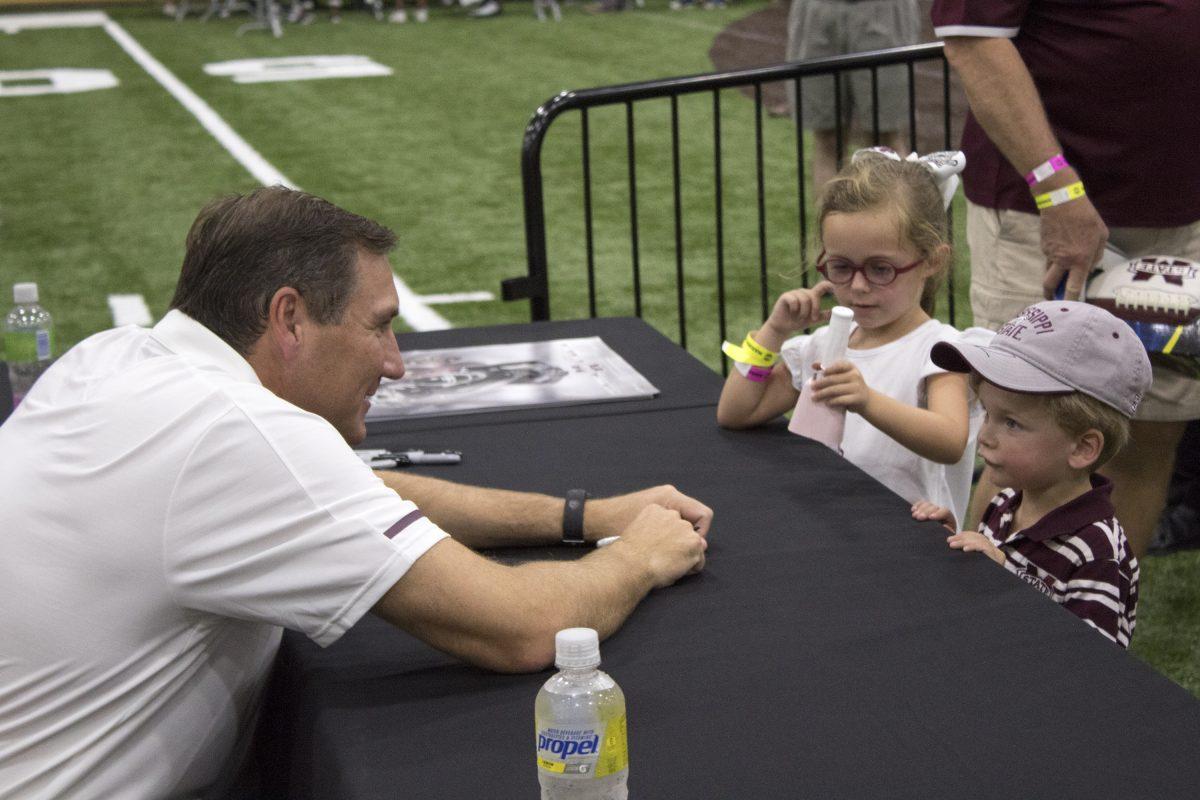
[875, 181]
[1076, 412]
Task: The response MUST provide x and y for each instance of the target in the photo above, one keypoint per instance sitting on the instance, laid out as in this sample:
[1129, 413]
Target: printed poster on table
[465, 380]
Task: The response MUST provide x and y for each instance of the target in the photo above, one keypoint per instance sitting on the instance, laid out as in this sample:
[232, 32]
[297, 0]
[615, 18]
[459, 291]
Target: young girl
[886, 246]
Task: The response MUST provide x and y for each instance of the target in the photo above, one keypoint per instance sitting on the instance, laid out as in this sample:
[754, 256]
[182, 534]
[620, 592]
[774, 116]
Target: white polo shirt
[162, 516]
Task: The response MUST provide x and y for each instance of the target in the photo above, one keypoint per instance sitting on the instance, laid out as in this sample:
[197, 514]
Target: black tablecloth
[832, 648]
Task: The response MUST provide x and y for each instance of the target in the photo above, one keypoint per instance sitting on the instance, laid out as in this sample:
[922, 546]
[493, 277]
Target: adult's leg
[1006, 276]
[1141, 472]
[1141, 475]
[824, 159]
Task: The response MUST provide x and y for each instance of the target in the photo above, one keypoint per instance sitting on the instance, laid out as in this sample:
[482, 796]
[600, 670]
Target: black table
[832, 648]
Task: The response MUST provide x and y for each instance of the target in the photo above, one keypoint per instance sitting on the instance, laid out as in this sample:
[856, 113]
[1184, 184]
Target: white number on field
[297, 68]
[31, 82]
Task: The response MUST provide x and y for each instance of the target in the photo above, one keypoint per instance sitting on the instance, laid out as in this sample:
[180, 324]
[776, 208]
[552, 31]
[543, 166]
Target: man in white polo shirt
[170, 499]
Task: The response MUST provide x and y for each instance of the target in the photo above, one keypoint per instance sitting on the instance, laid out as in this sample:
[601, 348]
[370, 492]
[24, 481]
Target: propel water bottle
[582, 749]
[28, 340]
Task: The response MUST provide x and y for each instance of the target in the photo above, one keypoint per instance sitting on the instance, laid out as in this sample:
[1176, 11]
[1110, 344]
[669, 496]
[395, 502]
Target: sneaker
[711, 4]
[399, 16]
[170, 9]
[1178, 529]
[469, 3]
[677, 5]
[422, 15]
[491, 8]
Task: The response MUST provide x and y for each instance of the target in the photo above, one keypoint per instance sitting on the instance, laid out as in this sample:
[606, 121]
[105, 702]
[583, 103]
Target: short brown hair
[875, 181]
[243, 248]
[1076, 412]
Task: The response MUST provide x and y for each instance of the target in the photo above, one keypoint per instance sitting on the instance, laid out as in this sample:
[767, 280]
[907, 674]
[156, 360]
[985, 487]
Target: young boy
[1058, 386]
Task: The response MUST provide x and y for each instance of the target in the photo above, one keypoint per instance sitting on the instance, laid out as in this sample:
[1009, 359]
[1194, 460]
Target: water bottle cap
[25, 293]
[576, 647]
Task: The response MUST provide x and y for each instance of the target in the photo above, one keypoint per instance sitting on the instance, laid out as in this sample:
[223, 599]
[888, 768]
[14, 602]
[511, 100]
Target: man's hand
[1073, 239]
[664, 543]
[973, 541]
[923, 510]
[611, 515]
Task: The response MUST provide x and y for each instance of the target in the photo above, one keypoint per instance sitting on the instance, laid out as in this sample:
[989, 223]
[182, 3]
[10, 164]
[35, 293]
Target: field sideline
[99, 187]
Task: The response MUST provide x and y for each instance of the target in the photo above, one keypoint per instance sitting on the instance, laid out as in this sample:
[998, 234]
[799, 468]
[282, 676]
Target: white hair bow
[944, 166]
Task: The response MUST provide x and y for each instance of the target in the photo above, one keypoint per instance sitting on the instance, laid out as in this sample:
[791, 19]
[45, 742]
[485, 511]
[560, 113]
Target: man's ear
[287, 321]
[1088, 446]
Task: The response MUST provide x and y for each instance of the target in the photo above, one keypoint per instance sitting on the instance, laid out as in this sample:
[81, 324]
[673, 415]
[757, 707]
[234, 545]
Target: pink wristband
[758, 374]
[1046, 169]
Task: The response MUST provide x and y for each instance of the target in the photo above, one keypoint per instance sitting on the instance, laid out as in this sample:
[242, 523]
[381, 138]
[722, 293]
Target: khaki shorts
[819, 28]
[1006, 275]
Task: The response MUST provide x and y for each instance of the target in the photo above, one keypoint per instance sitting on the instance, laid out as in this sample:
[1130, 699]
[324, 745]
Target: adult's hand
[611, 515]
[665, 543]
[1073, 239]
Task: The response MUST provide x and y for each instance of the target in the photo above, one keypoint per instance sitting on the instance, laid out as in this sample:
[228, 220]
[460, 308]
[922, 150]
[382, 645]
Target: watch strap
[572, 524]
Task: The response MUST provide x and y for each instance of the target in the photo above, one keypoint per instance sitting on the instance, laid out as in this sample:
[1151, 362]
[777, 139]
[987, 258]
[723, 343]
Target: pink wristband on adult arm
[1046, 169]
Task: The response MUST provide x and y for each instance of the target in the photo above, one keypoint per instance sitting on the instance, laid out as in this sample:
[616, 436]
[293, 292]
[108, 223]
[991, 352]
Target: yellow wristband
[766, 357]
[1066, 194]
[750, 352]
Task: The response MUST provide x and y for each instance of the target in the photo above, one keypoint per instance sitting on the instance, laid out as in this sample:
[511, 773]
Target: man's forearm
[1006, 103]
[479, 517]
[1003, 98]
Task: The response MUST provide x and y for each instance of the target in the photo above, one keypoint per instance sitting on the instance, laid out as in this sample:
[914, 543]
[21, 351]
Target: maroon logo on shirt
[1041, 585]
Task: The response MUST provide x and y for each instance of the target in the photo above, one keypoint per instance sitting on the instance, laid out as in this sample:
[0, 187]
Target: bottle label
[43, 344]
[584, 751]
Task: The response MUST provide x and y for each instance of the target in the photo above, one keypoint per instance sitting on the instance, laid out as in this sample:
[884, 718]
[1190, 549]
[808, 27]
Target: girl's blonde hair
[875, 181]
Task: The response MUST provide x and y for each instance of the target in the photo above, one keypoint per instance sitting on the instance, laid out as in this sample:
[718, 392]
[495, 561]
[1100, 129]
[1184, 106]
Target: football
[1161, 290]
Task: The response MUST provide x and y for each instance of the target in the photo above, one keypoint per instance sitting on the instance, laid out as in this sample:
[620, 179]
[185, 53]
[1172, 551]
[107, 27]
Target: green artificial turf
[99, 188]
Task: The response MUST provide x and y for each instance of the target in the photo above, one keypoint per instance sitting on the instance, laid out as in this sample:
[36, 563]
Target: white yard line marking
[129, 309]
[457, 297]
[15, 23]
[238, 147]
[417, 315]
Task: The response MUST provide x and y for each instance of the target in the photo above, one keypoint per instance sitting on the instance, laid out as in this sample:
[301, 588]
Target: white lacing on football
[1152, 300]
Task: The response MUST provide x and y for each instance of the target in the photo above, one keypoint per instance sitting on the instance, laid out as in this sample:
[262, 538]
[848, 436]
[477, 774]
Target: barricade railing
[535, 285]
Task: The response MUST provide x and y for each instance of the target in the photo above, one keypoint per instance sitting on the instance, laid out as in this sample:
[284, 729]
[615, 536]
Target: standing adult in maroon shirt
[1113, 87]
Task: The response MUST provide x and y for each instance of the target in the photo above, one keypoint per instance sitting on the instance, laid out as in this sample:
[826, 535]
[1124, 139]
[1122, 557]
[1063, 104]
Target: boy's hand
[923, 509]
[841, 385]
[973, 541]
[797, 309]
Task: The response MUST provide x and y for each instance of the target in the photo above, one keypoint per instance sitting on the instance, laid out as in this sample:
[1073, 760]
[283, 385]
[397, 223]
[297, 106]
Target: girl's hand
[923, 509]
[841, 385]
[973, 541]
[797, 309]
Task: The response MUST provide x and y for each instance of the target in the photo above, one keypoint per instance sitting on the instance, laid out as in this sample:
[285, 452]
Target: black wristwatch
[572, 526]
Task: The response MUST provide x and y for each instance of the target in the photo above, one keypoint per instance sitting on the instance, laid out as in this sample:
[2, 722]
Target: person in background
[486, 8]
[820, 28]
[172, 498]
[1058, 385]
[1076, 137]
[399, 14]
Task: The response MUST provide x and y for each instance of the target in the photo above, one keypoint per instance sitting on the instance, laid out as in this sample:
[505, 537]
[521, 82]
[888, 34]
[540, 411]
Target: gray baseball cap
[1059, 346]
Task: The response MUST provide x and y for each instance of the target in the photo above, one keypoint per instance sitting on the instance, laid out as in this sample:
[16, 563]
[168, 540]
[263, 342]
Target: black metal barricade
[535, 286]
